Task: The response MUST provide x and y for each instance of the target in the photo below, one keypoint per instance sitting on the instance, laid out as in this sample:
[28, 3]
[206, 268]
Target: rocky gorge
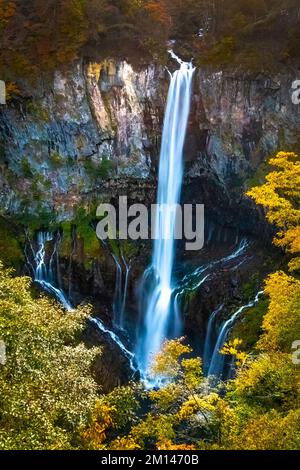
[94, 133]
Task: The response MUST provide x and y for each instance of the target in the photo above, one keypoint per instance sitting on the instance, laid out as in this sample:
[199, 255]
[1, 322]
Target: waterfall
[117, 301]
[209, 337]
[121, 288]
[217, 363]
[159, 311]
[43, 270]
[115, 338]
[44, 275]
[194, 279]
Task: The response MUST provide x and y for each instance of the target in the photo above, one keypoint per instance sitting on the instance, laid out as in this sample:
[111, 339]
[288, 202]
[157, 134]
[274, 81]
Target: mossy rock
[11, 252]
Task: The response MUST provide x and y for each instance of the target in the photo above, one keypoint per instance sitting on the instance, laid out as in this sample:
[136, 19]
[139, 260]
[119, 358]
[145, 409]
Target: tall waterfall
[159, 308]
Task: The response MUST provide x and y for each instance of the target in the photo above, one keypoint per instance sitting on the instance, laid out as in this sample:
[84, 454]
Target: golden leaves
[95, 434]
[168, 445]
[232, 349]
[166, 362]
[280, 195]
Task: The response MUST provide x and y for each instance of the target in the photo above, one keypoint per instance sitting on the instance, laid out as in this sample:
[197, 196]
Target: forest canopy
[38, 36]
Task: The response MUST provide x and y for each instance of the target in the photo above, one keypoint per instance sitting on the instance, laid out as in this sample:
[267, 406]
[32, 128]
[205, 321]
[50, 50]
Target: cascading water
[159, 309]
[43, 271]
[193, 280]
[209, 338]
[117, 300]
[115, 338]
[44, 275]
[121, 288]
[217, 362]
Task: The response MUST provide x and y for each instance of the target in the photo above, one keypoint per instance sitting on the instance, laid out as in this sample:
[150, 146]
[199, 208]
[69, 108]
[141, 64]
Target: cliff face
[97, 120]
[95, 134]
[105, 120]
[246, 119]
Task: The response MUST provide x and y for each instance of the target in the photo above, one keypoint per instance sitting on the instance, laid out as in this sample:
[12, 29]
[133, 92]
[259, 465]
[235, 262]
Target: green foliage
[249, 328]
[56, 160]
[80, 227]
[125, 404]
[46, 388]
[26, 168]
[10, 245]
[42, 218]
[258, 178]
[95, 170]
[37, 111]
[271, 381]
[39, 186]
[222, 53]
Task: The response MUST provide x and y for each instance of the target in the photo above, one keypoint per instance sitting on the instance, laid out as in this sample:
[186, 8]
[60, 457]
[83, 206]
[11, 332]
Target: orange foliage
[95, 434]
[168, 445]
[158, 12]
[7, 11]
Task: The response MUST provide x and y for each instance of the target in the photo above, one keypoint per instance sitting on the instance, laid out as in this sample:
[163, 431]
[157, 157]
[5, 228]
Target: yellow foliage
[166, 362]
[154, 428]
[46, 388]
[231, 349]
[95, 435]
[272, 380]
[198, 403]
[188, 409]
[192, 372]
[281, 323]
[11, 90]
[280, 195]
[166, 396]
[124, 443]
[270, 431]
[168, 445]
[7, 10]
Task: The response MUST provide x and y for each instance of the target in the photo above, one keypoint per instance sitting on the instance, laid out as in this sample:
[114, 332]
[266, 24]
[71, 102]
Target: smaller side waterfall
[115, 338]
[217, 363]
[117, 300]
[193, 280]
[43, 268]
[121, 288]
[209, 338]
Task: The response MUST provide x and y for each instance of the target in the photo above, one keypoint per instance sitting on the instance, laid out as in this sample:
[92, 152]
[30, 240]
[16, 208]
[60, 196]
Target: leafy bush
[101, 171]
[46, 387]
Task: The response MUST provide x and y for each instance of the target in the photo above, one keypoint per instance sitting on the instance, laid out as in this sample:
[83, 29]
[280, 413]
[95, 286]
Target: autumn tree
[280, 196]
[46, 386]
